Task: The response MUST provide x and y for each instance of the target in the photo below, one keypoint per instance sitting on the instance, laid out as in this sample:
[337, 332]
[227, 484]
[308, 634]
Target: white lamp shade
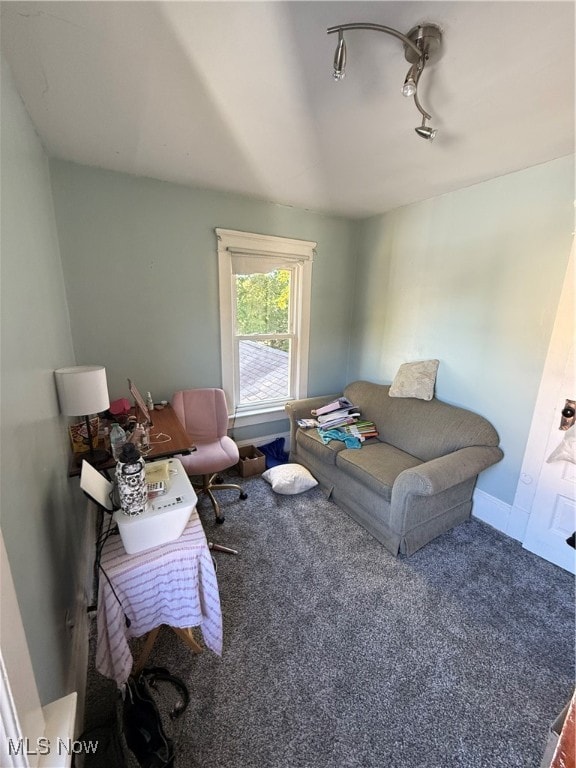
[82, 390]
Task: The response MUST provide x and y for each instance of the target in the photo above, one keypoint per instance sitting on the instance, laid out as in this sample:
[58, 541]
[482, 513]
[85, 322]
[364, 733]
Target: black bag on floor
[108, 750]
[142, 722]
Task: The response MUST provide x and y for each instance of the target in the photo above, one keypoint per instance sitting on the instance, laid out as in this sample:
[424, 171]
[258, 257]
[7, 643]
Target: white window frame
[300, 255]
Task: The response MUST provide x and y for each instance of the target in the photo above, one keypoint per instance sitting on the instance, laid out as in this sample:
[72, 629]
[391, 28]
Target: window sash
[235, 248]
[249, 405]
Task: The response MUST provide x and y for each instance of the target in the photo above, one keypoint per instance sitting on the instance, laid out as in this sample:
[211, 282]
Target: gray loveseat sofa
[413, 482]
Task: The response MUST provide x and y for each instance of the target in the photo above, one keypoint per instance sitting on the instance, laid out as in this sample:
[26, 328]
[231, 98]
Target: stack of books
[337, 418]
[361, 429]
[343, 415]
[332, 414]
[335, 414]
[342, 403]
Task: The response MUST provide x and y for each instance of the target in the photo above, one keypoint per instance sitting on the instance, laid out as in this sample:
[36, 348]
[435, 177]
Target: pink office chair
[204, 415]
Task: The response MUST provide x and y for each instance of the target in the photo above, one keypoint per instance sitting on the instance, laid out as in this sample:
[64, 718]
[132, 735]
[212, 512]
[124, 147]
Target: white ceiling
[238, 96]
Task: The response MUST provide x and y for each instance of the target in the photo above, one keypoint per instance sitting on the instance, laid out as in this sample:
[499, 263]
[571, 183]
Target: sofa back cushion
[425, 429]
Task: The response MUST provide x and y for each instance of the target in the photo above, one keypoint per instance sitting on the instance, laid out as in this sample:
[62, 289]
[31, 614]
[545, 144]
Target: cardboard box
[252, 461]
[553, 738]
[79, 435]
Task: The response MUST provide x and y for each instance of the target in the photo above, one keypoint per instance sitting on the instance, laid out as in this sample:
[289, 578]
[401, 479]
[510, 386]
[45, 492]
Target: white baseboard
[264, 439]
[504, 517]
[518, 523]
[59, 717]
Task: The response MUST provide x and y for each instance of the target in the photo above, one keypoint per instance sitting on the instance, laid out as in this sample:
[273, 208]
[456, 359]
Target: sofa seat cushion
[376, 465]
[309, 440]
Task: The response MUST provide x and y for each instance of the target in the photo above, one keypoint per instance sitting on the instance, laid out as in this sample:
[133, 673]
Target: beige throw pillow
[415, 380]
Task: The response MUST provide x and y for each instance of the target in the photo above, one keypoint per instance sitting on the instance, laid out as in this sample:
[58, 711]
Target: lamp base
[95, 457]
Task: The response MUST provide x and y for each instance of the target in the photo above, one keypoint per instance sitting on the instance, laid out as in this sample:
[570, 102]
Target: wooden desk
[167, 438]
[165, 422]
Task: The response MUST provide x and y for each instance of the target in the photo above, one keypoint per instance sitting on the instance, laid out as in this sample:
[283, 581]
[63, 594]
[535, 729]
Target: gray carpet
[338, 655]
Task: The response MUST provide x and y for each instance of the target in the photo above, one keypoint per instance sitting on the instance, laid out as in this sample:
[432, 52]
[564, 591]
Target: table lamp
[82, 391]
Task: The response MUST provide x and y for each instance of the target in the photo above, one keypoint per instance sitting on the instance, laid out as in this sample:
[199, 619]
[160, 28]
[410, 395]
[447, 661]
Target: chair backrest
[203, 412]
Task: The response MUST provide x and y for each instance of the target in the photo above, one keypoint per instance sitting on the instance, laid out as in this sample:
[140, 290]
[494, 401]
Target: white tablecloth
[173, 584]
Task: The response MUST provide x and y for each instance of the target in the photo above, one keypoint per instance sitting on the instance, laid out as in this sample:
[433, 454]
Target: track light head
[409, 87]
[425, 131]
[340, 58]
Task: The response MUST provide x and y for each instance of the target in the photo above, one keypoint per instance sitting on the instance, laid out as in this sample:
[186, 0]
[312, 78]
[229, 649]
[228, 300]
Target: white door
[21, 715]
[31, 736]
[547, 489]
[553, 516]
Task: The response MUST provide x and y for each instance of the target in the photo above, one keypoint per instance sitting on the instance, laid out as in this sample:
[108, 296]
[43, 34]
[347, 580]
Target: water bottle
[117, 440]
[131, 480]
[149, 402]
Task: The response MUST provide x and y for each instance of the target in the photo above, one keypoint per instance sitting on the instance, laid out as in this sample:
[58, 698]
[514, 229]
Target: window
[265, 284]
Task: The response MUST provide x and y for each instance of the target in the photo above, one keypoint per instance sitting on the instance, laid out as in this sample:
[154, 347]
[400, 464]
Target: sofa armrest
[300, 409]
[444, 472]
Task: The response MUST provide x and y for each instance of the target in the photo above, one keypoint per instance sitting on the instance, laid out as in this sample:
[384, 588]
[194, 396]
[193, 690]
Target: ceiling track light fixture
[421, 45]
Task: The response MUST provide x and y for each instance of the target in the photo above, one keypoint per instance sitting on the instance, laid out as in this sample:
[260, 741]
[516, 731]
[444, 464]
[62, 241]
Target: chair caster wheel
[219, 520]
[243, 495]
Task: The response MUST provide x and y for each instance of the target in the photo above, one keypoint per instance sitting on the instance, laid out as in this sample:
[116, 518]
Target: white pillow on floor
[289, 479]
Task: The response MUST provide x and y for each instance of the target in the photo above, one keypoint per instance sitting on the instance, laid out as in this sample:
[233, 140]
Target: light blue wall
[141, 272]
[471, 278]
[42, 515]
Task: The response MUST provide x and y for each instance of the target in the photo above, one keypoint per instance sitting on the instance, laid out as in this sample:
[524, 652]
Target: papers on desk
[157, 479]
[158, 472]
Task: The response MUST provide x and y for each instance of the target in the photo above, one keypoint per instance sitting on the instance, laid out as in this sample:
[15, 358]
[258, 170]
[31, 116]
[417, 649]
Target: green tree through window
[263, 305]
